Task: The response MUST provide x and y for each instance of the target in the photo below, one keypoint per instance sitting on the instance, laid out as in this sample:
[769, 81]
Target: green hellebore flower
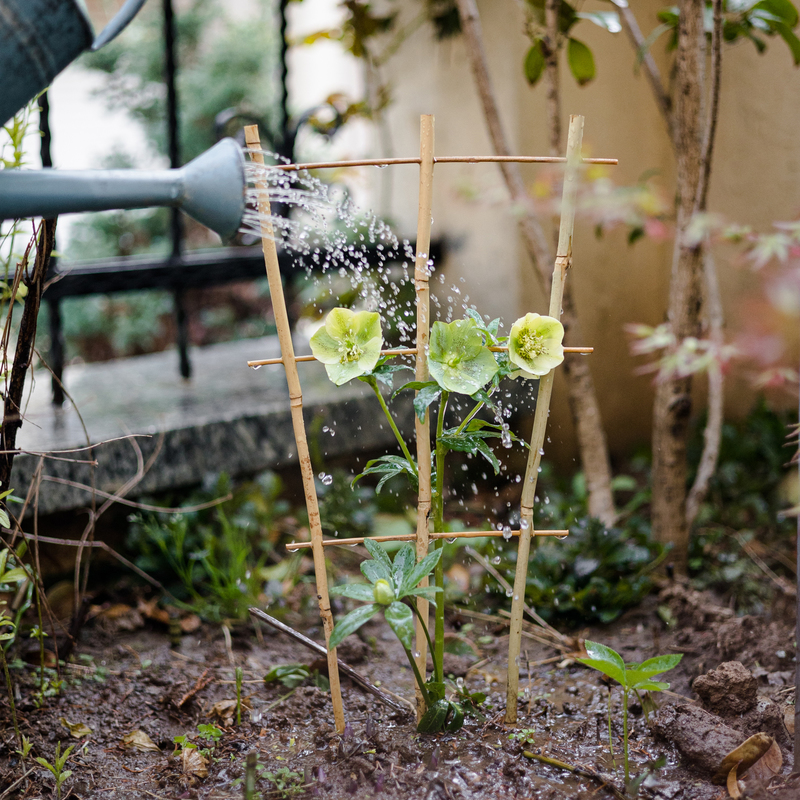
[535, 344]
[383, 592]
[458, 360]
[348, 344]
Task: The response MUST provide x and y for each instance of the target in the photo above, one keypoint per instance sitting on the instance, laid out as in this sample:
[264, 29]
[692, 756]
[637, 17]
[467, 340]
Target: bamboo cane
[385, 162]
[411, 537]
[563, 262]
[404, 351]
[423, 429]
[296, 401]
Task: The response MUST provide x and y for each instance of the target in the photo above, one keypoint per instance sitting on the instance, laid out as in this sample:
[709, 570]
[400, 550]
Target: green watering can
[38, 38]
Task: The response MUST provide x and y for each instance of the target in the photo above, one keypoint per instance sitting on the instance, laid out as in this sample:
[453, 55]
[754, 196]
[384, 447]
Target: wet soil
[139, 680]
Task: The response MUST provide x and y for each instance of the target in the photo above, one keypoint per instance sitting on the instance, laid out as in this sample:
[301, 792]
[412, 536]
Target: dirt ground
[131, 676]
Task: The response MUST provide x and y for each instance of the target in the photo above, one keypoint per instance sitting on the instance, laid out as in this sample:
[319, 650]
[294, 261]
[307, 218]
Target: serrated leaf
[581, 62]
[401, 620]
[355, 591]
[420, 571]
[351, 622]
[404, 562]
[378, 554]
[374, 571]
[534, 63]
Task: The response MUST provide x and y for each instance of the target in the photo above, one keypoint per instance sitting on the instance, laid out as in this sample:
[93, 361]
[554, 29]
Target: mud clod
[728, 690]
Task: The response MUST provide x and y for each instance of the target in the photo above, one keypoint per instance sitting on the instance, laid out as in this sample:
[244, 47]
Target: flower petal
[324, 347]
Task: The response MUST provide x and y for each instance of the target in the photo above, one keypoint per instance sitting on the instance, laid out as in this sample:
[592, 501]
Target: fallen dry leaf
[225, 710]
[139, 740]
[76, 729]
[768, 766]
[190, 623]
[743, 757]
[192, 763]
[788, 719]
[733, 784]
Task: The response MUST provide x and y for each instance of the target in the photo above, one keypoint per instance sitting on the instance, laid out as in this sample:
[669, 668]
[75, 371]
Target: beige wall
[755, 181]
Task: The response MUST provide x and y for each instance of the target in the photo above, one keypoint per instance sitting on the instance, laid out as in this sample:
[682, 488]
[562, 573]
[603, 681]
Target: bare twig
[584, 772]
[321, 651]
[133, 504]
[561, 641]
[16, 783]
[631, 26]
[199, 685]
[709, 137]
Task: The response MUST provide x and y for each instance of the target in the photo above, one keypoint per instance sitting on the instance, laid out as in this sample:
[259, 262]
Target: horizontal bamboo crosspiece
[411, 537]
[405, 351]
[385, 162]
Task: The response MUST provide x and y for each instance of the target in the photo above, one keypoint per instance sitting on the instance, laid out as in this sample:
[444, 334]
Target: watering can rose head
[458, 360]
[348, 344]
[535, 345]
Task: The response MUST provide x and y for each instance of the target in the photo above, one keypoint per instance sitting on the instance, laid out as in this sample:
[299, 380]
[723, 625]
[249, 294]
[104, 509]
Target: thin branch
[133, 504]
[663, 101]
[707, 153]
[535, 239]
[551, 10]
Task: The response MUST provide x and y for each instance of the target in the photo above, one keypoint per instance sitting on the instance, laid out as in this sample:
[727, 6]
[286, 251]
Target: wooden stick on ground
[563, 262]
[423, 429]
[296, 401]
[320, 650]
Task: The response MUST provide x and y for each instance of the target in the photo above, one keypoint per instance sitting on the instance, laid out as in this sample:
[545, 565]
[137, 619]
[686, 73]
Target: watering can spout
[210, 189]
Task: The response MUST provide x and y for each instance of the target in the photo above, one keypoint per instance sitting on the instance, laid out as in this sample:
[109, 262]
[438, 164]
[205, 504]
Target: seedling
[56, 769]
[239, 676]
[632, 678]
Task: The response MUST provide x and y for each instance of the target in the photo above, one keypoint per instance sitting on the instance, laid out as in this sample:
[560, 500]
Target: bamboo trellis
[422, 536]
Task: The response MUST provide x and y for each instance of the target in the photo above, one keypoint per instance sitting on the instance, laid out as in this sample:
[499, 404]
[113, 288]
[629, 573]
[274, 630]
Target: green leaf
[581, 61]
[355, 591]
[401, 620]
[374, 571]
[290, 675]
[4, 518]
[16, 575]
[379, 554]
[659, 664]
[389, 467]
[605, 660]
[455, 718]
[607, 20]
[788, 36]
[428, 592]
[489, 455]
[424, 398]
[434, 718]
[351, 622]
[404, 562]
[783, 10]
[534, 63]
[420, 571]
[648, 685]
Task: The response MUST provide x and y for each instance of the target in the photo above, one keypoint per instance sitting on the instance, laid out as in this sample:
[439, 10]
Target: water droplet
[523, 524]
[326, 479]
[416, 654]
[509, 592]
[541, 451]
[506, 532]
[496, 560]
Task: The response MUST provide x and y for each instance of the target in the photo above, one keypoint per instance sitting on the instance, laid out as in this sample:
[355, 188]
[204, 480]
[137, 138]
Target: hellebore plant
[465, 357]
[389, 584]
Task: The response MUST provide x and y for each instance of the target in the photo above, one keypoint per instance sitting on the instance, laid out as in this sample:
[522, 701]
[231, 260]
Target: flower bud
[383, 592]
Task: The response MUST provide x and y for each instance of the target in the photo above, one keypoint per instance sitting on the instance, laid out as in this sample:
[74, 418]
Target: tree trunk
[673, 401]
[584, 406]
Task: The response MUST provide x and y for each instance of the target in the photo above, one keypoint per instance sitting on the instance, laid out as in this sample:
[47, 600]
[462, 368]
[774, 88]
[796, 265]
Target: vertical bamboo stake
[423, 429]
[296, 401]
[562, 264]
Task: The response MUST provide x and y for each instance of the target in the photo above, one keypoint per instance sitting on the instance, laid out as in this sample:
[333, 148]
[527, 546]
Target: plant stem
[420, 681]
[374, 384]
[625, 733]
[422, 622]
[470, 417]
[610, 735]
[438, 527]
[11, 704]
